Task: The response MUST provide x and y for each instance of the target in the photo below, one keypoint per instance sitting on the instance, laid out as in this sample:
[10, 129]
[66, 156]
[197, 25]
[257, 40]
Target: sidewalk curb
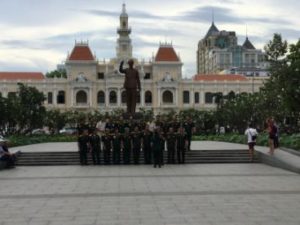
[289, 150]
[275, 162]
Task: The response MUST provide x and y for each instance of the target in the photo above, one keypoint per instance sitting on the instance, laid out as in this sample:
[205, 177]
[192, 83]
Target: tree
[32, 111]
[61, 73]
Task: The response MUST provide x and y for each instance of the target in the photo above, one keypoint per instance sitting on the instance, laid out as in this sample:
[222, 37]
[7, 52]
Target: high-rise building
[219, 51]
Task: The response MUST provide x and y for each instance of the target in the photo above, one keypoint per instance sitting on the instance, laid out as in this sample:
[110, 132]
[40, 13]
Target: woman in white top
[251, 134]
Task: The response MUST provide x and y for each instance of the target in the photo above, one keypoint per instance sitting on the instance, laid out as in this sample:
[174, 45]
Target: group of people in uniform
[135, 141]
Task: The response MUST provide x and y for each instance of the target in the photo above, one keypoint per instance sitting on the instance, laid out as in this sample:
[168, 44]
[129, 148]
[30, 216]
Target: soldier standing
[156, 142]
[127, 146]
[147, 145]
[189, 127]
[95, 144]
[171, 145]
[136, 144]
[106, 139]
[83, 145]
[116, 143]
[182, 143]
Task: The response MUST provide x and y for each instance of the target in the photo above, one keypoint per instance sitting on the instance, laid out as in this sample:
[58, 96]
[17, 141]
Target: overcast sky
[37, 35]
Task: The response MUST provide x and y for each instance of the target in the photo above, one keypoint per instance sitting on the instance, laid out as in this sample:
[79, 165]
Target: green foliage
[288, 141]
[31, 109]
[20, 140]
[22, 112]
[57, 74]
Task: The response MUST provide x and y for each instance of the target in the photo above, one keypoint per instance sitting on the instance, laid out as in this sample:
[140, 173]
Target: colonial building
[97, 85]
[219, 51]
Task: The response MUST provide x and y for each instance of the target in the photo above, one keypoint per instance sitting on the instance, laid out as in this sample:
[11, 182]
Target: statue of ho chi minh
[132, 85]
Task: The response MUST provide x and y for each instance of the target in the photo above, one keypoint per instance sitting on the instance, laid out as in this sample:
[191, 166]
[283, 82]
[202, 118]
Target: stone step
[72, 158]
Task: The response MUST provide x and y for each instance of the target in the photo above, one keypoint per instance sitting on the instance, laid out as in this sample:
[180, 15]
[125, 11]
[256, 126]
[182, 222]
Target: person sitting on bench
[5, 155]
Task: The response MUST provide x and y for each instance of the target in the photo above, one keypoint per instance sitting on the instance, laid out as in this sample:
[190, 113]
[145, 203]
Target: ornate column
[119, 97]
[106, 97]
[91, 97]
[142, 97]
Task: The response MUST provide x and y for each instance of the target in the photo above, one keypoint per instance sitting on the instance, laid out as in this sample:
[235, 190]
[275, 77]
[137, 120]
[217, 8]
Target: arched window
[218, 97]
[197, 98]
[101, 97]
[113, 97]
[186, 97]
[123, 97]
[167, 97]
[81, 97]
[61, 97]
[209, 98]
[148, 97]
[50, 98]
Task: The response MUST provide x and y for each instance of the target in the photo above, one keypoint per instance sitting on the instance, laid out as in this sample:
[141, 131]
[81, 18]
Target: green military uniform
[189, 126]
[157, 141]
[171, 143]
[116, 144]
[127, 146]
[95, 141]
[181, 147]
[136, 146]
[83, 141]
[106, 139]
[147, 146]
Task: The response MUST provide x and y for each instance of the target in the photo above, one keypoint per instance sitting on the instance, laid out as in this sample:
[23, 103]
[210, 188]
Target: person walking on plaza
[95, 144]
[127, 146]
[83, 145]
[136, 145]
[251, 134]
[131, 84]
[116, 145]
[171, 145]
[147, 145]
[272, 131]
[106, 139]
[182, 144]
[156, 142]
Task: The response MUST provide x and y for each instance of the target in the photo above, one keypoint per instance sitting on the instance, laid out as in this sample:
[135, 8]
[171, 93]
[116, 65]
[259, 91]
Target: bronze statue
[132, 84]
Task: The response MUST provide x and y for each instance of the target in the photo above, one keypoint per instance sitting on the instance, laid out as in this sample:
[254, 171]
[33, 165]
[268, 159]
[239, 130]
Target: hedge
[289, 141]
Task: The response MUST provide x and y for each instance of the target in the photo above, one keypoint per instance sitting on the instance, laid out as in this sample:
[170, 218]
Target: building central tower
[124, 46]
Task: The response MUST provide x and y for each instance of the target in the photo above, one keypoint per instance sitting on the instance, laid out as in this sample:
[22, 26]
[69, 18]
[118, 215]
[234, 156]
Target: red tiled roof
[166, 53]
[21, 76]
[219, 77]
[81, 52]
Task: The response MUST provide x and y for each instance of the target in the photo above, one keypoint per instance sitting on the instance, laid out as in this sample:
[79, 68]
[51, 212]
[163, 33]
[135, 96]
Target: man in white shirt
[251, 134]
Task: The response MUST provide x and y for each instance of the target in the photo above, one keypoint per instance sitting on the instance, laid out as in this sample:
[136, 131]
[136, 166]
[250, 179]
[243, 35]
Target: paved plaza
[212, 194]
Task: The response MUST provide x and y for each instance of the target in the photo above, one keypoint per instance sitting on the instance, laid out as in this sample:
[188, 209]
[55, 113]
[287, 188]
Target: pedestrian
[182, 144]
[83, 146]
[171, 145]
[189, 127]
[146, 143]
[136, 144]
[156, 142]
[272, 131]
[127, 146]
[106, 139]
[95, 145]
[116, 146]
[251, 134]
